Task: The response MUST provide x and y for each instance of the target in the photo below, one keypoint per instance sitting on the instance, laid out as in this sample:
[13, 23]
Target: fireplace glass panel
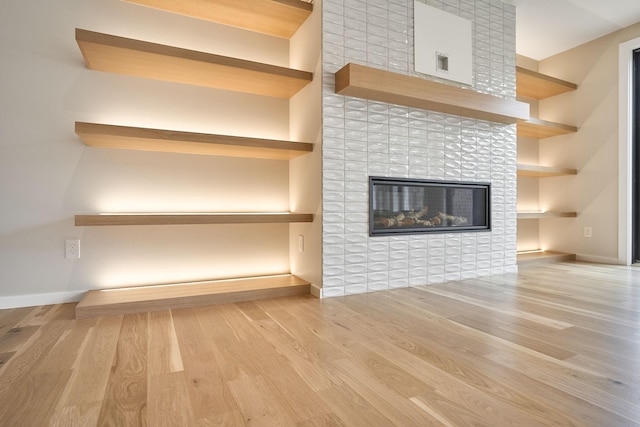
[403, 206]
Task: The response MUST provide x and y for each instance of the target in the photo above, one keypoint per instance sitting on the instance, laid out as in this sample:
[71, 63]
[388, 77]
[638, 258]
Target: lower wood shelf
[542, 215]
[536, 171]
[190, 218]
[542, 257]
[114, 302]
[539, 129]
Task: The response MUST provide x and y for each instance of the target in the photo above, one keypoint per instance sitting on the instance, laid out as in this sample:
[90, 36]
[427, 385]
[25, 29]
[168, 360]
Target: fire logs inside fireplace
[421, 218]
[401, 206]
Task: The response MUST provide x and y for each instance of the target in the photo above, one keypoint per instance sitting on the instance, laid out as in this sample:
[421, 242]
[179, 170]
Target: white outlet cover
[438, 35]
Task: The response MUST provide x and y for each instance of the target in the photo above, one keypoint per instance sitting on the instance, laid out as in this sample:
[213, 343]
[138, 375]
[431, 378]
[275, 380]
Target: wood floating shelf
[190, 219]
[539, 129]
[543, 215]
[280, 18]
[385, 86]
[535, 85]
[115, 302]
[543, 171]
[145, 139]
[113, 54]
[542, 257]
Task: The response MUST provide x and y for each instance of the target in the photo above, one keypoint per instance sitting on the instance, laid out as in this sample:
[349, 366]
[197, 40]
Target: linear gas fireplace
[407, 206]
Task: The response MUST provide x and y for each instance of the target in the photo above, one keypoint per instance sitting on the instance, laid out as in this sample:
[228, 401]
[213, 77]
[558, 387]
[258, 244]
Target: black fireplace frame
[378, 232]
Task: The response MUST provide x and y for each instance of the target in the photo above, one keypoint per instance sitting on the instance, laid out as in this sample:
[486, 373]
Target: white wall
[47, 175]
[528, 187]
[305, 172]
[593, 193]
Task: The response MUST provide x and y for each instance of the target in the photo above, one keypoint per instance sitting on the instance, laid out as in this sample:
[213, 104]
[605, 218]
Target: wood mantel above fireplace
[386, 86]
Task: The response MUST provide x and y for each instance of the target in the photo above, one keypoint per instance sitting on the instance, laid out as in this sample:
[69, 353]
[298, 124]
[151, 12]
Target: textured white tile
[355, 289]
[375, 285]
[365, 138]
[332, 291]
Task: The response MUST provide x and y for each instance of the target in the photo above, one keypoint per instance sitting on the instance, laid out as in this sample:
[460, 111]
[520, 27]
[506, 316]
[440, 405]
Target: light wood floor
[556, 345]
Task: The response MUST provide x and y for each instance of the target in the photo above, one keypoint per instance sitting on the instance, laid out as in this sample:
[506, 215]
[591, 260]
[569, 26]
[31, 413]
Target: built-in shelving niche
[534, 85]
[109, 53]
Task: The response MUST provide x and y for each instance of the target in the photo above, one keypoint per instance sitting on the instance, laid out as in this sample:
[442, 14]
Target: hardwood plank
[4, 358]
[92, 366]
[614, 396]
[125, 401]
[15, 338]
[170, 141]
[168, 403]
[508, 392]
[325, 420]
[12, 318]
[385, 86]
[352, 408]
[209, 395]
[163, 350]
[303, 361]
[190, 218]
[81, 415]
[21, 366]
[257, 402]
[280, 18]
[298, 399]
[120, 55]
[32, 402]
[38, 316]
[519, 339]
[482, 304]
[471, 352]
[67, 349]
[229, 419]
[391, 405]
[450, 413]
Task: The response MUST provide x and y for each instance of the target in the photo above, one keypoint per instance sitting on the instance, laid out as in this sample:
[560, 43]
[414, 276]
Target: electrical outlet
[300, 243]
[72, 248]
[588, 232]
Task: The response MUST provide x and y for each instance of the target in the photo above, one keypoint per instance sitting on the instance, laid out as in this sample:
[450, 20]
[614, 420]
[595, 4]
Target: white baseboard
[597, 259]
[316, 291]
[32, 300]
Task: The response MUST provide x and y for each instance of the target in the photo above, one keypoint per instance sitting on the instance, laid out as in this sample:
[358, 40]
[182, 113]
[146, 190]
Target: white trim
[33, 300]
[624, 151]
[315, 291]
[598, 259]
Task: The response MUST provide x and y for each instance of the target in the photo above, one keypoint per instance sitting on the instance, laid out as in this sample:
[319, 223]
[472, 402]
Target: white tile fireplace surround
[365, 138]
